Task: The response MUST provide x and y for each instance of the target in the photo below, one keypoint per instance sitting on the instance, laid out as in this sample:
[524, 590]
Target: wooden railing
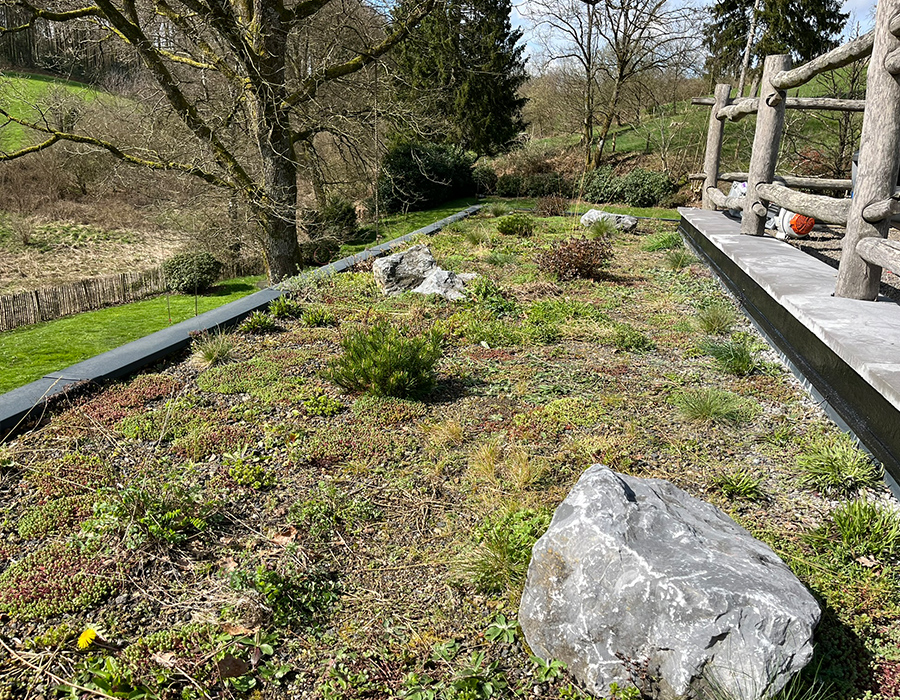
[875, 198]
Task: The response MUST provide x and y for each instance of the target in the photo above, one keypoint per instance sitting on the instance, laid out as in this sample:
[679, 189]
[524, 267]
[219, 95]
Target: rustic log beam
[892, 63]
[718, 198]
[841, 56]
[714, 143]
[741, 108]
[766, 141]
[879, 211]
[811, 183]
[703, 101]
[880, 252]
[828, 210]
[879, 160]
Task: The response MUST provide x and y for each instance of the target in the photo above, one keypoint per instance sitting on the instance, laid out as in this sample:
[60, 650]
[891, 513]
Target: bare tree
[240, 83]
[613, 42]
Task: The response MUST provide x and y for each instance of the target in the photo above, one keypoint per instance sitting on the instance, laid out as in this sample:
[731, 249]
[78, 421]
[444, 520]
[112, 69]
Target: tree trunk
[751, 35]
[587, 137]
[607, 120]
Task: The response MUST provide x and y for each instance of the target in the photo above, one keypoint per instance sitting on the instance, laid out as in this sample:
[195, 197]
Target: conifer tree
[462, 70]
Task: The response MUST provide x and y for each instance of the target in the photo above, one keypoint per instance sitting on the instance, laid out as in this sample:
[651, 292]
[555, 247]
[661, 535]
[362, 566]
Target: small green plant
[317, 317]
[707, 404]
[603, 229]
[484, 293]
[516, 225]
[285, 307]
[210, 349]
[191, 273]
[499, 561]
[717, 319]
[740, 485]
[502, 629]
[329, 510]
[627, 337]
[547, 670]
[737, 355]
[295, 597]
[247, 469]
[679, 258]
[497, 209]
[258, 323]
[862, 528]
[478, 237]
[836, 466]
[381, 360]
[477, 680]
[577, 258]
[499, 258]
[318, 403]
[55, 516]
[666, 240]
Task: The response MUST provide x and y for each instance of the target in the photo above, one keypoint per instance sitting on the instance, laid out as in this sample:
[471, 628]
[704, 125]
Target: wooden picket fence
[49, 303]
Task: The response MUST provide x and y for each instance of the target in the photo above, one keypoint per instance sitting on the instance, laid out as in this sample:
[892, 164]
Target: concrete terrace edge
[27, 403]
[848, 351]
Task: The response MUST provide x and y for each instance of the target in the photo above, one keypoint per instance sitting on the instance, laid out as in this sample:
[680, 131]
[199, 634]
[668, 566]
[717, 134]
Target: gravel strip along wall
[27, 403]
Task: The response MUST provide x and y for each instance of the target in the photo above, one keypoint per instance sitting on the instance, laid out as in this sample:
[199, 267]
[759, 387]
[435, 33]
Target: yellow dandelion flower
[86, 638]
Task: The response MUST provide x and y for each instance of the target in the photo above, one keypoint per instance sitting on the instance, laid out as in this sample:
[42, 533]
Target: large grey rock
[403, 271]
[446, 284]
[623, 222]
[635, 573]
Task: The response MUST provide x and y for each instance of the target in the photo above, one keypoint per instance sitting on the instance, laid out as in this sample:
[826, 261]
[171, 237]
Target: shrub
[417, 176]
[191, 273]
[602, 186]
[485, 180]
[516, 225]
[337, 219]
[717, 319]
[577, 258]
[545, 185]
[552, 205]
[510, 185]
[382, 361]
[836, 466]
[645, 188]
[713, 405]
[212, 349]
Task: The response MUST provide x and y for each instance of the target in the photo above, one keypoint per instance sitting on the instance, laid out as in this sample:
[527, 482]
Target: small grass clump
[577, 258]
[667, 240]
[627, 337]
[285, 307]
[382, 361]
[717, 319]
[329, 510]
[834, 465]
[317, 317]
[679, 258]
[709, 405]
[487, 295]
[602, 229]
[741, 485]
[737, 355]
[499, 561]
[516, 225]
[497, 209]
[258, 323]
[210, 349]
[862, 528]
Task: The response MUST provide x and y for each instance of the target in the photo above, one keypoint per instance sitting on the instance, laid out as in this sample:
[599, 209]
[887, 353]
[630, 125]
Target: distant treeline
[78, 50]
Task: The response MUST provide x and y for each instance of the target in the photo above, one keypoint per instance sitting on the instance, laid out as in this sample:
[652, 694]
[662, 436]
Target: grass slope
[250, 530]
[31, 352]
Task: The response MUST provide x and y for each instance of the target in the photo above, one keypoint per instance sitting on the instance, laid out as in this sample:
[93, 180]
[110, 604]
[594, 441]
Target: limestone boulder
[639, 583]
[401, 272]
[622, 222]
[446, 284]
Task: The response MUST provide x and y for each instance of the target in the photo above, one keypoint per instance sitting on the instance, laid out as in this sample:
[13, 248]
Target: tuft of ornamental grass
[667, 240]
[717, 319]
[602, 228]
[497, 209]
[285, 307]
[741, 485]
[679, 258]
[737, 355]
[213, 349]
[383, 361]
[709, 405]
[258, 323]
[866, 528]
[834, 465]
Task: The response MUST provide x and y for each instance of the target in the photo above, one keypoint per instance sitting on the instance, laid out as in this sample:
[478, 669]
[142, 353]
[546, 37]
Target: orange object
[802, 225]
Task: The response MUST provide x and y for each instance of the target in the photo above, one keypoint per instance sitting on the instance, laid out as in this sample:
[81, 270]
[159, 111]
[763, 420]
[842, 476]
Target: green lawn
[31, 352]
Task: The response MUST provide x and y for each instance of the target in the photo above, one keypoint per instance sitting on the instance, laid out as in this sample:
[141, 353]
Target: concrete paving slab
[848, 350]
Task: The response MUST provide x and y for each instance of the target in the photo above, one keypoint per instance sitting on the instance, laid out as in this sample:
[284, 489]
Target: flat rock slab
[403, 271]
[622, 222]
[635, 574]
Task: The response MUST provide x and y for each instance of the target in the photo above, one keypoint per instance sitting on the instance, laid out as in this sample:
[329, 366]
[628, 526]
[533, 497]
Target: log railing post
[879, 159]
[714, 143]
[766, 142]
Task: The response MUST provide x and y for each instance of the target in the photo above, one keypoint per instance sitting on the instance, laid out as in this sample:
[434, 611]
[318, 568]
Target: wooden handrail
[741, 108]
[838, 58]
[720, 200]
[880, 252]
[810, 183]
[828, 210]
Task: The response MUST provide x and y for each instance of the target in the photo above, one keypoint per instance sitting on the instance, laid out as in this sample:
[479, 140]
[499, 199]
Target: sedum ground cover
[248, 529]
